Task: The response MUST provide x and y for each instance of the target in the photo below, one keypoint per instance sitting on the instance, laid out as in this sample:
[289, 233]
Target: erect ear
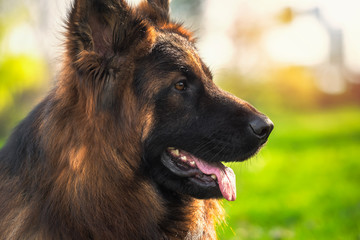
[155, 10]
[91, 25]
[103, 38]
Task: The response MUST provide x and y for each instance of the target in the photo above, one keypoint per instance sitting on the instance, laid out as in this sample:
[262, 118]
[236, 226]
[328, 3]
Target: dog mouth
[202, 173]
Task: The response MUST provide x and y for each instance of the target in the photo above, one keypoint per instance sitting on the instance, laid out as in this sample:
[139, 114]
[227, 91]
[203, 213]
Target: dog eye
[181, 85]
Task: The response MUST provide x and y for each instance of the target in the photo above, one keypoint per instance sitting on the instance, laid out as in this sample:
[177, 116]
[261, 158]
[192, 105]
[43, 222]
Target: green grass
[305, 184]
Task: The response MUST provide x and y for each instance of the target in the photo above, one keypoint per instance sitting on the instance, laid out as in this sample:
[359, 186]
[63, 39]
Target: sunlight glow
[21, 40]
[302, 42]
[216, 49]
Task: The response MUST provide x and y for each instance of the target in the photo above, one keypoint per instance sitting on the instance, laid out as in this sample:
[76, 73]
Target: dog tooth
[183, 158]
[213, 176]
[175, 152]
[192, 163]
[171, 148]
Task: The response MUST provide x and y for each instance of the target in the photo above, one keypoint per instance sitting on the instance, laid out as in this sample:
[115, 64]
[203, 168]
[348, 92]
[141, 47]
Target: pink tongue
[225, 177]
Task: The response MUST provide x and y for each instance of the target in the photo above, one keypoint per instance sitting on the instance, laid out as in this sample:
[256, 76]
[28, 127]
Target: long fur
[70, 169]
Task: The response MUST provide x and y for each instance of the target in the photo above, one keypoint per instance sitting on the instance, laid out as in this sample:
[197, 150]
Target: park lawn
[304, 184]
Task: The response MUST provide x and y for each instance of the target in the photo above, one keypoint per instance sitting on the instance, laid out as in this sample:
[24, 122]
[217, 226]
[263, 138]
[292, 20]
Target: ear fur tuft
[156, 11]
[104, 38]
[91, 25]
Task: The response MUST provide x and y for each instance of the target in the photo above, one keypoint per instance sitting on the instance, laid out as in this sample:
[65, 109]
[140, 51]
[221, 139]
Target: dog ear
[91, 25]
[155, 10]
[103, 39]
[106, 28]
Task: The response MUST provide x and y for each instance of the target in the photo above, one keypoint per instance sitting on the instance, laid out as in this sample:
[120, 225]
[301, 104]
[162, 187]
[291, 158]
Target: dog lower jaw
[203, 174]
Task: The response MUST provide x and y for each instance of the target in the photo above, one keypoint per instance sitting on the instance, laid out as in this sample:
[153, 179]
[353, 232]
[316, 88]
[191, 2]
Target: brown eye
[180, 86]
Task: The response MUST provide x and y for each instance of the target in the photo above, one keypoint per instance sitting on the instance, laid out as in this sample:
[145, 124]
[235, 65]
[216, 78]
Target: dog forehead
[178, 50]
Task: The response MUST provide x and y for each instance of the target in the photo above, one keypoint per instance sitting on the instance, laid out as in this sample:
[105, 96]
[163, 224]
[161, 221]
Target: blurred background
[298, 61]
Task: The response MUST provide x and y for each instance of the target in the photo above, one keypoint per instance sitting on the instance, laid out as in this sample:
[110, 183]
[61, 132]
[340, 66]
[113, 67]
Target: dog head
[186, 125]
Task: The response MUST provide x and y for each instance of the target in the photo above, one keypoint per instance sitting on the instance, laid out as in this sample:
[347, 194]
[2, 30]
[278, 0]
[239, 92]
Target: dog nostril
[262, 127]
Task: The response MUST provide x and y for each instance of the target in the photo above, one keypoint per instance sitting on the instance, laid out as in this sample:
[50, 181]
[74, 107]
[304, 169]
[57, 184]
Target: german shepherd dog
[129, 143]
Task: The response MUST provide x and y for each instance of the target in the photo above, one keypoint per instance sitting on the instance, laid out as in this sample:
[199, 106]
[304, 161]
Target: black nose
[261, 127]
